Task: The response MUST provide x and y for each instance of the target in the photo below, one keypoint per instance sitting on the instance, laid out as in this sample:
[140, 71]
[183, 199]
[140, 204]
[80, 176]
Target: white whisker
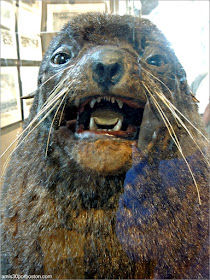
[60, 119]
[163, 97]
[174, 138]
[48, 140]
[172, 108]
[69, 67]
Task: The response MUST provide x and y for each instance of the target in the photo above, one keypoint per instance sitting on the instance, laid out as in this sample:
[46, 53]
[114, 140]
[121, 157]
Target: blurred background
[27, 27]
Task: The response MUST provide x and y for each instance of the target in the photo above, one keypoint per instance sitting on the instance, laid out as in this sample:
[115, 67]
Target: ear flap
[29, 96]
[194, 98]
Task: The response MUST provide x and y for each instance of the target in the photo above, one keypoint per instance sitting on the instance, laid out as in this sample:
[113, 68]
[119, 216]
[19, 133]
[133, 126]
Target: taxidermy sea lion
[110, 176]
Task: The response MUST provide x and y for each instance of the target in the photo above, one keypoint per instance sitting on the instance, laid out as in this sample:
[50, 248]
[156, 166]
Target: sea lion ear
[30, 95]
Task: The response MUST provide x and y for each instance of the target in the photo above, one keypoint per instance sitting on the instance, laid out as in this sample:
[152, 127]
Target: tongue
[108, 120]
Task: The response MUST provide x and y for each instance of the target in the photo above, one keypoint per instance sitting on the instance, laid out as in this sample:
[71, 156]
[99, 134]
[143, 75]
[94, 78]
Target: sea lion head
[106, 84]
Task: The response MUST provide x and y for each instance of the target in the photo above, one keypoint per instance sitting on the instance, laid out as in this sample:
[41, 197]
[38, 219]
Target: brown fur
[106, 207]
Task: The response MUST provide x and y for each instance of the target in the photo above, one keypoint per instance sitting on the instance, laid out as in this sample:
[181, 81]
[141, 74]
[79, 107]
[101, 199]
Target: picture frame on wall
[8, 44]
[29, 34]
[8, 14]
[29, 78]
[59, 14]
[10, 97]
[30, 47]
[29, 17]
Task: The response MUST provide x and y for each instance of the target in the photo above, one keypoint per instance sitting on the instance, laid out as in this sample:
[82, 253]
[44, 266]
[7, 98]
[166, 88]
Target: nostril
[115, 69]
[99, 69]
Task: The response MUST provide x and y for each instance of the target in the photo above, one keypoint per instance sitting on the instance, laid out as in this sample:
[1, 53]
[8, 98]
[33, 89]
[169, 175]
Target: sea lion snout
[107, 65]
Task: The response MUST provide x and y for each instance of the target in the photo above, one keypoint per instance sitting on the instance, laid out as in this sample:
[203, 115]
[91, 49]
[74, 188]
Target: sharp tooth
[118, 126]
[92, 103]
[120, 103]
[76, 102]
[113, 100]
[92, 125]
[99, 99]
[107, 98]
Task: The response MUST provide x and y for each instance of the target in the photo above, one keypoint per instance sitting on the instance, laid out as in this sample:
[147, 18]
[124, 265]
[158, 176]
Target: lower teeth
[118, 126]
[105, 120]
[96, 125]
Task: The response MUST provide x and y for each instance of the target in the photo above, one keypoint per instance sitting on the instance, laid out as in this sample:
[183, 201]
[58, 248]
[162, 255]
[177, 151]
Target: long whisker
[41, 112]
[23, 139]
[54, 92]
[52, 99]
[61, 116]
[174, 137]
[175, 107]
[43, 108]
[48, 140]
[189, 122]
[50, 78]
[158, 81]
[59, 85]
[171, 107]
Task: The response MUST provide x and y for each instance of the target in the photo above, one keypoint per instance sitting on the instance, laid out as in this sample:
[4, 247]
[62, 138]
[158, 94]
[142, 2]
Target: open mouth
[104, 116]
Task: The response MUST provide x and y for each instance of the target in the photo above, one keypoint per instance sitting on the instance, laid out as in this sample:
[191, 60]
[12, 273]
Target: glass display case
[103, 138]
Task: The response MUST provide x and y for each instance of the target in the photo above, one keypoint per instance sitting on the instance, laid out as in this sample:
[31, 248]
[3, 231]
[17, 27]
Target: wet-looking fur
[110, 175]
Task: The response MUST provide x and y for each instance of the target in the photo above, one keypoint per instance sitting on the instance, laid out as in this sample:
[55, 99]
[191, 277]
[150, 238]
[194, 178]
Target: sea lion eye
[157, 60]
[61, 58]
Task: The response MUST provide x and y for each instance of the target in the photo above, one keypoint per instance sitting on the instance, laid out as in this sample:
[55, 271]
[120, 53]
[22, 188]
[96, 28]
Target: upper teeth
[76, 102]
[120, 103]
[107, 98]
[92, 103]
[98, 99]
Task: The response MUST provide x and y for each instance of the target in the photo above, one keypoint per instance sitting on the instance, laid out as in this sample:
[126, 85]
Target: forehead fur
[91, 26]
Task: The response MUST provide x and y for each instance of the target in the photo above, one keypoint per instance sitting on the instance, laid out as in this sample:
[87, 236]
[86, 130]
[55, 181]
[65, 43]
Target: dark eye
[156, 60]
[61, 58]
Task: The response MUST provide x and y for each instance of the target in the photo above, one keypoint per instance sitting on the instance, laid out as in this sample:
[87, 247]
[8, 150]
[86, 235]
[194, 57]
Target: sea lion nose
[107, 67]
